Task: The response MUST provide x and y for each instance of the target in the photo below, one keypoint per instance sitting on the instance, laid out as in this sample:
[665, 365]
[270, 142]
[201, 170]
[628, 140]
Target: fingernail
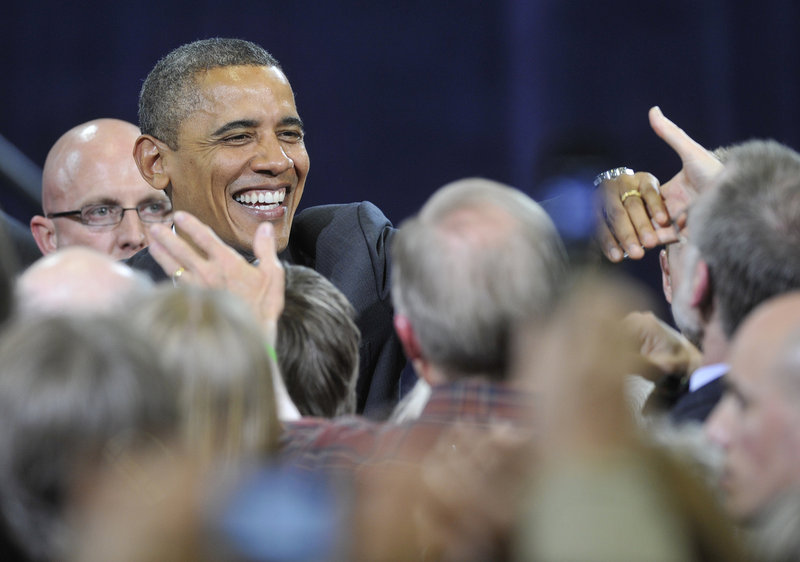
[179, 216]
[649, 239]
[616, 254]
[658, 110]
[661, 217]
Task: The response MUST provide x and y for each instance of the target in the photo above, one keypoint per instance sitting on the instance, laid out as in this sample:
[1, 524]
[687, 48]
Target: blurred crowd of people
[189, 371]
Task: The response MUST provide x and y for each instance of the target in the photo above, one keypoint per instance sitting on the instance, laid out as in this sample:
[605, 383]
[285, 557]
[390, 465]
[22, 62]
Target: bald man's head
[78, 281]
[92, 164]
[757, 423]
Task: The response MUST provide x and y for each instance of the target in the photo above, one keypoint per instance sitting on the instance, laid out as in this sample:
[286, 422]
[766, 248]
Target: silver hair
[747, 228]
[478, 258]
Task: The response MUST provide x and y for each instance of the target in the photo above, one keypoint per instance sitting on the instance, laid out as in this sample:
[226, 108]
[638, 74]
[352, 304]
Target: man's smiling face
[241, 159]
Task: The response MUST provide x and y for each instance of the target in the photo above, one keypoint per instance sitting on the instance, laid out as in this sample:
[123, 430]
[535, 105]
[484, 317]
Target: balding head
[93, 164]
[77, 281]
[479, 257]
[757, 423]
[101, 146]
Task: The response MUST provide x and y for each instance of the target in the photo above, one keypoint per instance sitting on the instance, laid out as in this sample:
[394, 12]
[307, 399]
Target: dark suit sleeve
[144, 262]
[697, 406]
[349, 245]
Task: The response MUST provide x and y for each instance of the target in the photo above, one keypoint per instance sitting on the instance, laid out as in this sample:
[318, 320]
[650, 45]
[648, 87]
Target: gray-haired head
[478, 258]
[75, 393]
[748, 228]
[168, 96]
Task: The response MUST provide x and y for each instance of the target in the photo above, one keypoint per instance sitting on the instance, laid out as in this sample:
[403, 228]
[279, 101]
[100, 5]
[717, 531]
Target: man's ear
[408, 339]
[666, 279]
[149, 153]
[44, 232]
[701, 284]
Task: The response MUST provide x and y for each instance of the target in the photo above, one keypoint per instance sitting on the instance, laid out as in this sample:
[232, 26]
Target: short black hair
[167, 98]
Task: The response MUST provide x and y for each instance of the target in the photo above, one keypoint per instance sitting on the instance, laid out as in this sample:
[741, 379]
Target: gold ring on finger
[631, 193]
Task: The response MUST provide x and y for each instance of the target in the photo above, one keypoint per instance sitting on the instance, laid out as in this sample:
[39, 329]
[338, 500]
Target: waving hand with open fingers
[205, 260]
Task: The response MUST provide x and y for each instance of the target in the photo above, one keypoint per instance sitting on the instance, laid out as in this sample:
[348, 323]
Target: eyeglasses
[111, 215]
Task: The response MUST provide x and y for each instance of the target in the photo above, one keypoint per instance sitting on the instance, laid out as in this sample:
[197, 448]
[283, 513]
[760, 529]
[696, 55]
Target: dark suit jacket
[21, 241]
[348, 244]
[696, 406]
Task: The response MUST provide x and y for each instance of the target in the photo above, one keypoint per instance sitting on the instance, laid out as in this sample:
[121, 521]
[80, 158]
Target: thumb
[684, 145]
[264, 244]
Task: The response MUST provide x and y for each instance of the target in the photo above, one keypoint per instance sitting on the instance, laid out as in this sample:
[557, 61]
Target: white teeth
[261, 197]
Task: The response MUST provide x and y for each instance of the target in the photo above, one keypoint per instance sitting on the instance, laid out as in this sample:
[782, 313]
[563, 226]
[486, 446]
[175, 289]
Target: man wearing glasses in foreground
[93, 194]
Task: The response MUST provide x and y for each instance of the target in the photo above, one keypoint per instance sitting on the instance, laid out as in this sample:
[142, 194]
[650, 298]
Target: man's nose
[271, 157]
[131, 233]
[718, 425]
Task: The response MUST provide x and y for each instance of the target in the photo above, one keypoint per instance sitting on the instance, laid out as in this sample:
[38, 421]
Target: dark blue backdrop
[401, 97]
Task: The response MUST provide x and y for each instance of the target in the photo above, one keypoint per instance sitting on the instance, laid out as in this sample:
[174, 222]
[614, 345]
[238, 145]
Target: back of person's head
[167, 96]
[213, 348]
[478, 258]
[317, 345]
[748, 228]
[78, 280]
[74, 392]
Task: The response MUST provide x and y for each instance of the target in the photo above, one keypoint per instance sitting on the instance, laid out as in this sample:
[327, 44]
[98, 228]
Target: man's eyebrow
[240, 124]
[101, 201]
[292, 121]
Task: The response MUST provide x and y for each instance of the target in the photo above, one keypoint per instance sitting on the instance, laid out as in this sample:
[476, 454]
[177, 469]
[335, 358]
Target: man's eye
[291, 135]
[237, 138]
[99, 211]
[156, 207]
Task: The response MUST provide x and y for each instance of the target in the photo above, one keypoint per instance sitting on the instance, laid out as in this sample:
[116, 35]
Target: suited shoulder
[320, 216]
[336, 227]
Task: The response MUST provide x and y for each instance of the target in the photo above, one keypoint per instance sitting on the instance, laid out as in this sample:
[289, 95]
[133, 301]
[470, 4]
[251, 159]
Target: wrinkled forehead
[758, 347]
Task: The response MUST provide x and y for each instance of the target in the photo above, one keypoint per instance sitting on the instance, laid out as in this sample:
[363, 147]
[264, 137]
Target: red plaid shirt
[352, 441]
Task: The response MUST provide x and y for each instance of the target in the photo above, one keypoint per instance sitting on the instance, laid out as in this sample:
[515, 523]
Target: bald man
[757, 423]
[93, 194]
[77, 280]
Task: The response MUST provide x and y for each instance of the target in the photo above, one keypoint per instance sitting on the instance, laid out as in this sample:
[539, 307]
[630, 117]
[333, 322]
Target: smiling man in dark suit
[221, 135]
